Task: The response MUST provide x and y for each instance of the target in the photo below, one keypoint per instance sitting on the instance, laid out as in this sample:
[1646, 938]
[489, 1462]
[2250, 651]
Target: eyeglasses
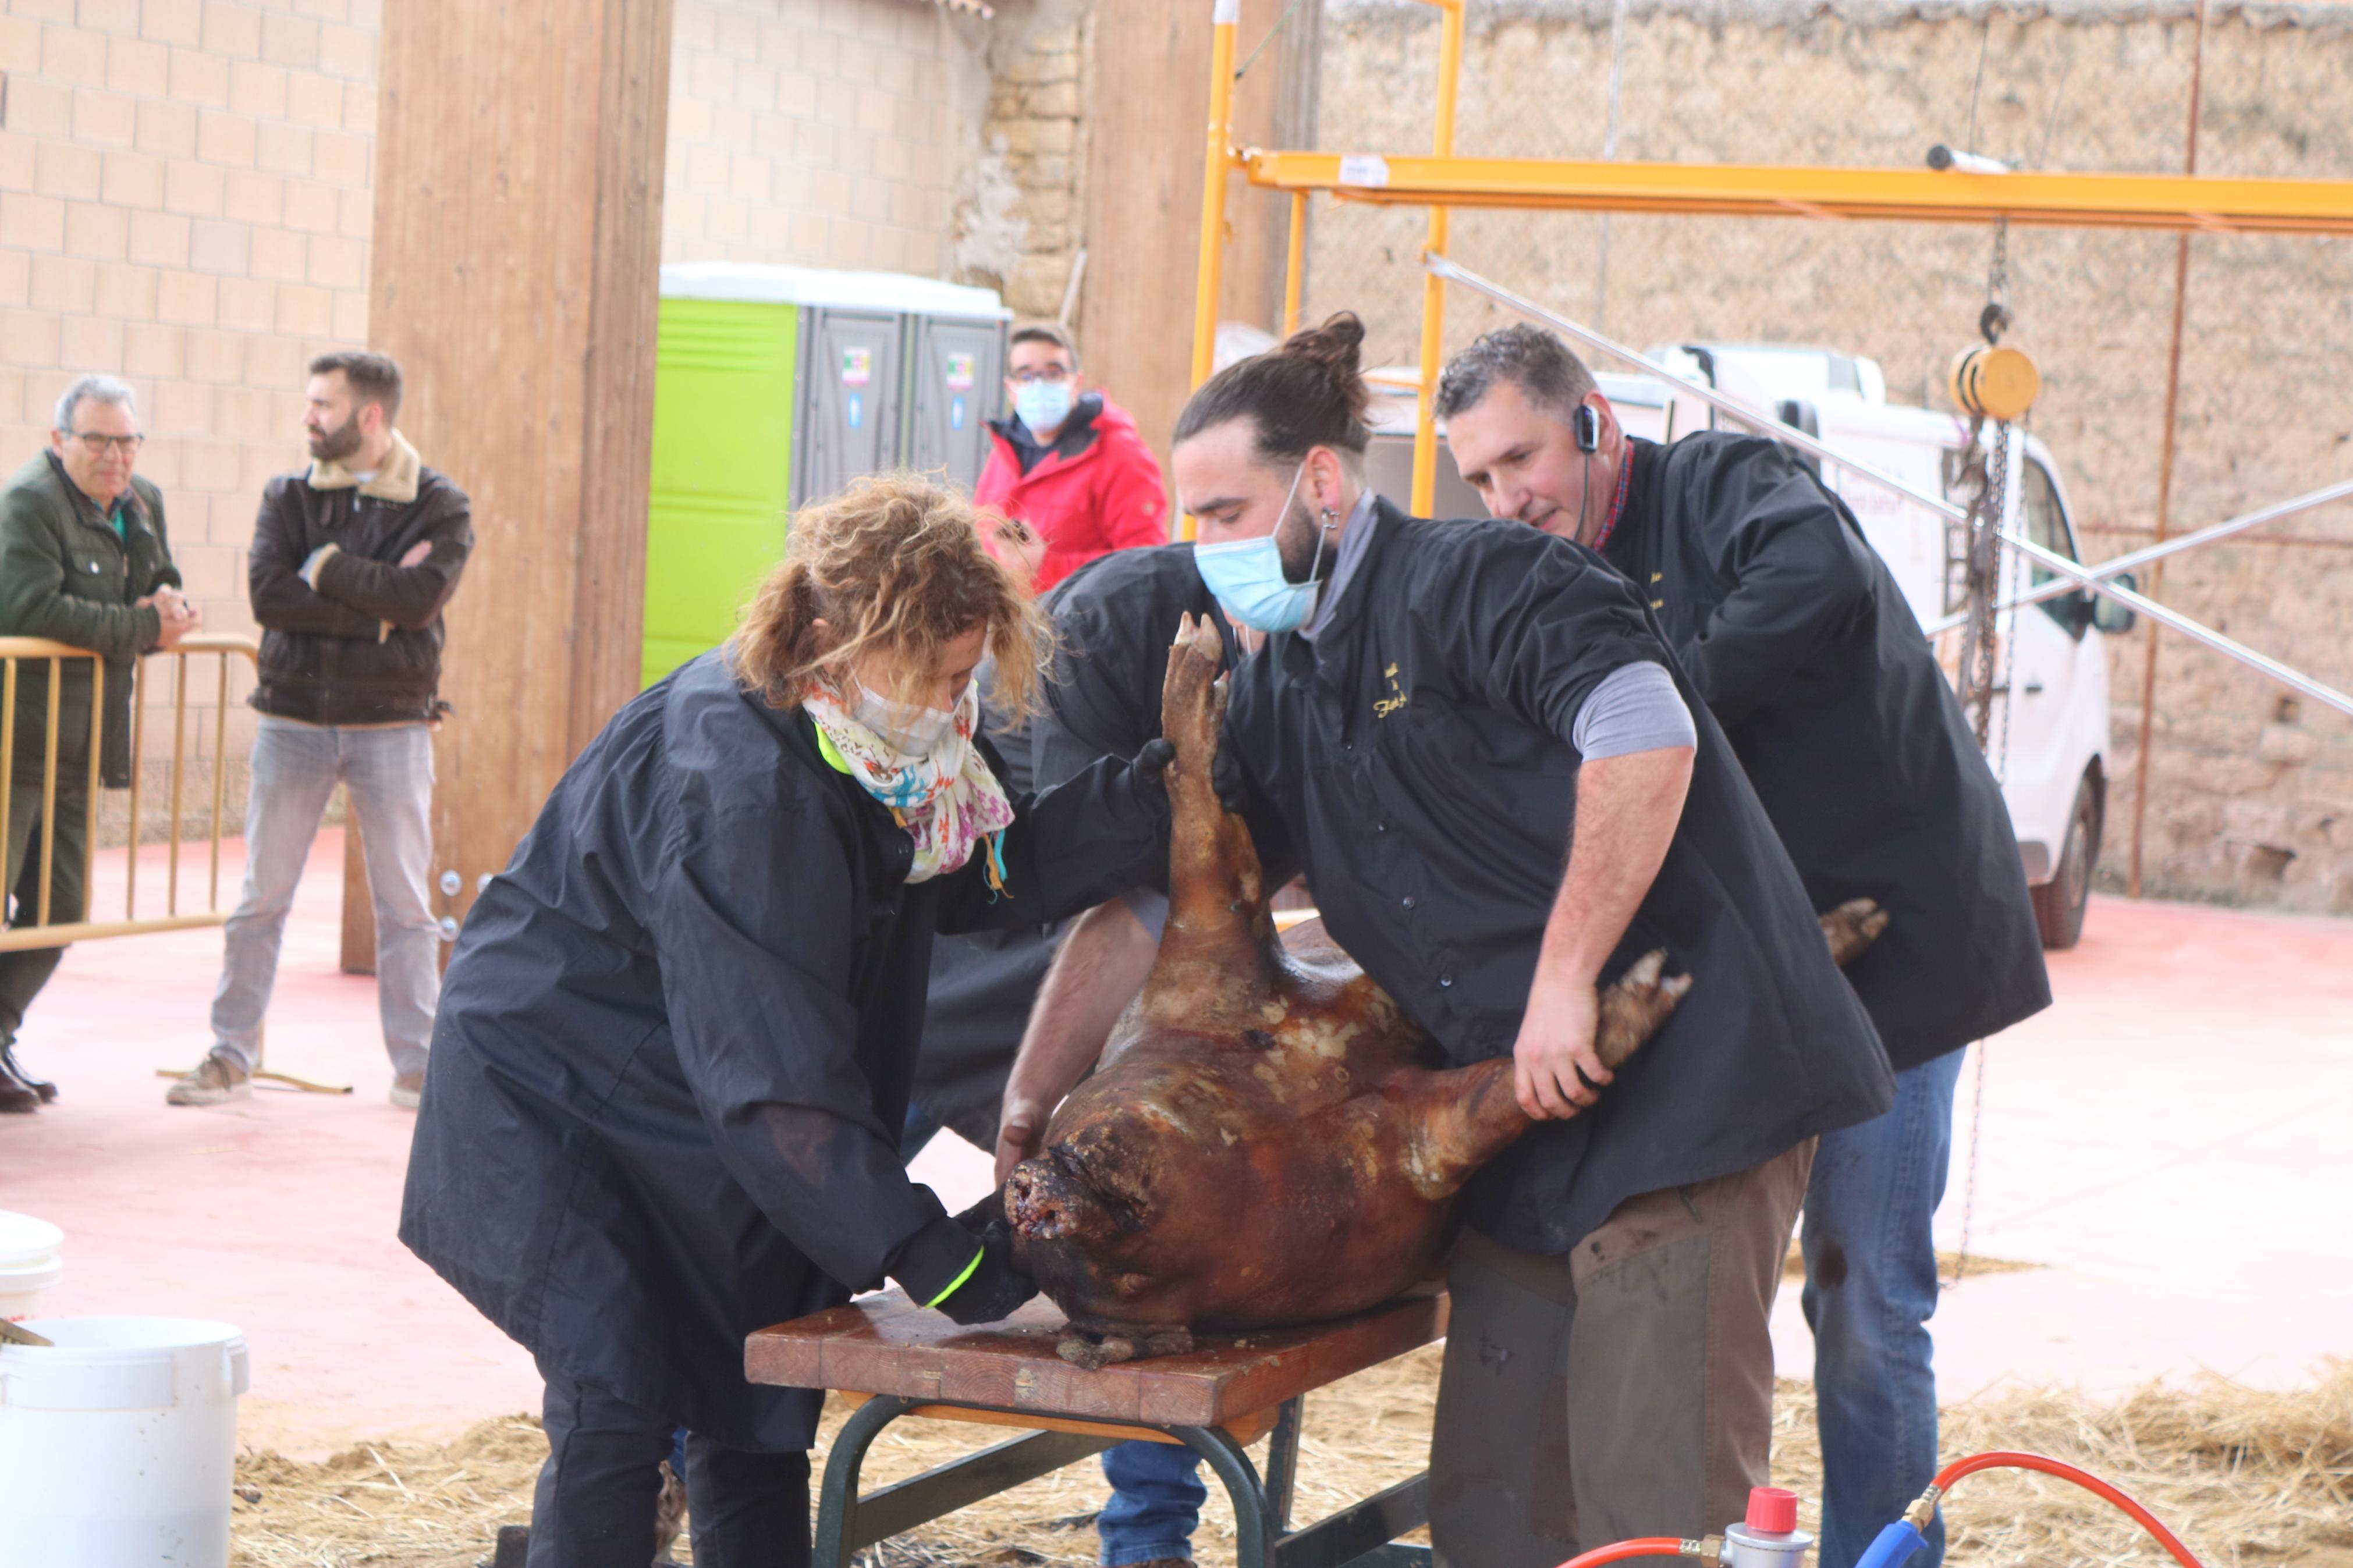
[96, 444]
[1051, 375]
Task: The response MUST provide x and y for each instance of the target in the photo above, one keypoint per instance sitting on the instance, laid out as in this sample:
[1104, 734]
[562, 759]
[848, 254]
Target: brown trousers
[1624, 1390]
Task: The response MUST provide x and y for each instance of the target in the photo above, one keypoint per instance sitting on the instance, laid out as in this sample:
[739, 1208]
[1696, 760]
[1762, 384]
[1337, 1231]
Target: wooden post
[1148, 87]
[516, 257]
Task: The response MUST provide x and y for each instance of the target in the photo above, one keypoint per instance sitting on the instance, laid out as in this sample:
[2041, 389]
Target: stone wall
[834, 134]
[2250, 793]
[1019, 231]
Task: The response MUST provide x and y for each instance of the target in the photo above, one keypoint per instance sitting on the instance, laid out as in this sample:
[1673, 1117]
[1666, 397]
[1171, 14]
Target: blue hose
[1894, 1546]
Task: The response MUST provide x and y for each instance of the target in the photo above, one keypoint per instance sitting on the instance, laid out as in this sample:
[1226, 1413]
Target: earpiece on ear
[1588, 428]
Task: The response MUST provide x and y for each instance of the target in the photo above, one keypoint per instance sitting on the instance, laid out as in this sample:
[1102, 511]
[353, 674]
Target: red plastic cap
[1771, 1510]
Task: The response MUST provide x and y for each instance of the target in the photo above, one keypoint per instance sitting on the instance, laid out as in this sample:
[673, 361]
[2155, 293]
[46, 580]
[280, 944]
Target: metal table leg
[1361, 1535]
[1255, 1529]
[836, 1508]
[1282, 1463]
[847, 1523]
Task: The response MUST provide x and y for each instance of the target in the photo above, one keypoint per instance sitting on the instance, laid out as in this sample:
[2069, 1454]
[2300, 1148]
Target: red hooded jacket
[1106, 496]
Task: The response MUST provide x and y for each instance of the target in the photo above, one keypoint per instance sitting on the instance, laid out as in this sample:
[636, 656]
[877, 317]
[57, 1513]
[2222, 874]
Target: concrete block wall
[187, 196]
[185, 201]
[821, 132]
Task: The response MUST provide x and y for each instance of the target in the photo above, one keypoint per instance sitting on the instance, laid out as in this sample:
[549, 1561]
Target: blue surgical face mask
[1043, 406]
[1246, 575]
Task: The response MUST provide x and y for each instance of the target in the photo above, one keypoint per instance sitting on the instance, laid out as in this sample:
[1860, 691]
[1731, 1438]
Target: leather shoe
[17, 1097]
[12, 1068]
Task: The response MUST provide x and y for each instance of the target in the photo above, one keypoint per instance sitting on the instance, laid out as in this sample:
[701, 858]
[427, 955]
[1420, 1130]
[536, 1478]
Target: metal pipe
[179, 751]
[2074, 571]
[96, 782]
[2165, 466]
[2132, 561]
[49, 792]
[220, 777]
[1224, 19]
[138, 766]
[8, 755]
[20, 939]
[1209, 271]
[1295, 263]
[1453, 272]
[1433, 288]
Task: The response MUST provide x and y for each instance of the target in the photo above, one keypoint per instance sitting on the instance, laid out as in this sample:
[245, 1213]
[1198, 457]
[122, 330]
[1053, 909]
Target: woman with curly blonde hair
[676, 1040]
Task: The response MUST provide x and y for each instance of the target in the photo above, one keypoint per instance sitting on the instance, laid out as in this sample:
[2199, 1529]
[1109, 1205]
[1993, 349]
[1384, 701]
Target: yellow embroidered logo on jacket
[1396, 698]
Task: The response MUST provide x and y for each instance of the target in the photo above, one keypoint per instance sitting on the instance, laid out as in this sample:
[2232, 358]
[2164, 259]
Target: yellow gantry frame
[1442, 180]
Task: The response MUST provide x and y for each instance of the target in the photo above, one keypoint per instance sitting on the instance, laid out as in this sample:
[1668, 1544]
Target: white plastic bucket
[118, 1447]
[30, 1263]
[20, 1288]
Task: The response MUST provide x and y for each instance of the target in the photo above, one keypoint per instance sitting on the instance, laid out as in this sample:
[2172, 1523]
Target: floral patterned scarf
[948, 800]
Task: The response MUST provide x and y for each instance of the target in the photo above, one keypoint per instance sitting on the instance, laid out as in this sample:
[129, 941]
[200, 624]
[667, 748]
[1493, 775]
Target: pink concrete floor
[2170, 1140]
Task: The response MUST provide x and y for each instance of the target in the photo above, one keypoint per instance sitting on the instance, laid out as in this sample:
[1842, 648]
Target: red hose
[1643, 1546]
[1999, 1460]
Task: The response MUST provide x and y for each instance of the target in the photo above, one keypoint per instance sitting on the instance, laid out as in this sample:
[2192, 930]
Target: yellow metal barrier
[42, 931]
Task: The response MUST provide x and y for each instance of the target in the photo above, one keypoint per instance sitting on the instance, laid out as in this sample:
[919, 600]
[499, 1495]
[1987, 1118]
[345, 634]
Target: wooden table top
[885, 1344]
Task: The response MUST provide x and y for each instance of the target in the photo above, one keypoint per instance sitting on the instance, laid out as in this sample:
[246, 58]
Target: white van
[2050, 747]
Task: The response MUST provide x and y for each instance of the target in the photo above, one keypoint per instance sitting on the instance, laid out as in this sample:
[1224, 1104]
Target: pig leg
[1094, 1352]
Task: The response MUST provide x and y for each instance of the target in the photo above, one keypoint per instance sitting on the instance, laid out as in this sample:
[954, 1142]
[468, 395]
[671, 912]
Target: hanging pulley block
[1996, 383]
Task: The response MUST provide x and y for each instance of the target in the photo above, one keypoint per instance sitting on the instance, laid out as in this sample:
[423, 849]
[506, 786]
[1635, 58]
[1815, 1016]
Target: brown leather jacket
[363, 646]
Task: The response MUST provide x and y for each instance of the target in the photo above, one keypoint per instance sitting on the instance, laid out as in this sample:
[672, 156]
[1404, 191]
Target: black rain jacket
[1791, 628]
[1413, 759]
[674, 1046]
[1115, 619]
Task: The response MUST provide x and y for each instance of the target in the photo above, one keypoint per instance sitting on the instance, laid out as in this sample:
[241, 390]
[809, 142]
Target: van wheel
[2059, 902]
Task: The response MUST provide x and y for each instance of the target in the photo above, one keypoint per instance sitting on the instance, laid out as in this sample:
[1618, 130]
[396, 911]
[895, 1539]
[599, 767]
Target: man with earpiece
[1804, 649]
[1068, 464]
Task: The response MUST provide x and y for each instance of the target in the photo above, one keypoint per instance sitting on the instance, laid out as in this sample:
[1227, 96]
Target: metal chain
[1985, 626]
[1981, 582]
[1970, 1184]
[1994, 319]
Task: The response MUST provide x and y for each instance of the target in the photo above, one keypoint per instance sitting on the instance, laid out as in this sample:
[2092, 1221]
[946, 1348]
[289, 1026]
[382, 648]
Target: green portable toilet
[773, 384]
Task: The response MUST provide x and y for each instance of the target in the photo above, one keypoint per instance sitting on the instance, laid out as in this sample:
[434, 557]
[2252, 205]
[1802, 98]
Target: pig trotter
[1634, 1006]
[1085, 1350]
[1851, 927]
[1096, 1351]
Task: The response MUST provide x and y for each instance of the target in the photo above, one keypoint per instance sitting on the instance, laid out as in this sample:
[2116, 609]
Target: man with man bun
[1444, 716]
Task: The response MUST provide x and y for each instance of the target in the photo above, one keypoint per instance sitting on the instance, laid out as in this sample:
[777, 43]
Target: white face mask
[912, 728]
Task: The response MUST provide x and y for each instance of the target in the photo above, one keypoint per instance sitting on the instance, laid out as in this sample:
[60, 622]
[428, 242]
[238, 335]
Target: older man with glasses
[84, 560]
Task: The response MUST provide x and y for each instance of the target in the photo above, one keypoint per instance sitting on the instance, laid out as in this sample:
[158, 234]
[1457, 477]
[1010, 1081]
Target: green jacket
[64, 576]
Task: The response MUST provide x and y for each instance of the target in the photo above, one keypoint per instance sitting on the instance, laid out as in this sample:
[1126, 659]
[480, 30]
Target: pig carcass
[1269, 1140]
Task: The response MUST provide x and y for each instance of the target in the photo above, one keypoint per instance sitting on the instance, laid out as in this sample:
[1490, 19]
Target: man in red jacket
[1067, 462]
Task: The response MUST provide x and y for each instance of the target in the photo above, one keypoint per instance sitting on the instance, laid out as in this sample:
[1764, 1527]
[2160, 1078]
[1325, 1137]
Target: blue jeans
[1870, 1287]
[1155, 1502]
[389, 773]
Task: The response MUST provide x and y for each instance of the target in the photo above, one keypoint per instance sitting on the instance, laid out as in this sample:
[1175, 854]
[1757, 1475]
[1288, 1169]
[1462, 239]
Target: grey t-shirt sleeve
[1150, 907]
[1635, 708]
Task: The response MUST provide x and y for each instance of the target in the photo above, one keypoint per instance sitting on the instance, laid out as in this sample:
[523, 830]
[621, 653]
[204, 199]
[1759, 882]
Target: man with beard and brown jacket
[351, 564]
